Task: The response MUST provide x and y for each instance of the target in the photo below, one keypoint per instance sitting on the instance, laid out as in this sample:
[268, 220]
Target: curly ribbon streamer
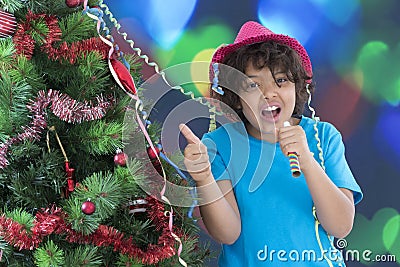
[215, 85]
[192, 190]
[146, 59]
[322, 163]
[212, 108]
[316, 120]
[97, 14]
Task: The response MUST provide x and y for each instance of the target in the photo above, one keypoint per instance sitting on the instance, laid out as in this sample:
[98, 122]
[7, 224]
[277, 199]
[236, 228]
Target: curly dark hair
[266, 54]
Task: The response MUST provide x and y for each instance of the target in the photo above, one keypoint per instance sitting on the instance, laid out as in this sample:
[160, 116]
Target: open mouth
[271, 112]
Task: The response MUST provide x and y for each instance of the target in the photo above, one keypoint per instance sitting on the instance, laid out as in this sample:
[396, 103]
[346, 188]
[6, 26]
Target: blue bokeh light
[387, 133]
[339, 11]
[283, 16]
[163, 21]
[166, 23]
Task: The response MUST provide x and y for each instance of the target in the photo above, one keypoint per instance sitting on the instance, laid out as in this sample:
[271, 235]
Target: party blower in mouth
[293, 159]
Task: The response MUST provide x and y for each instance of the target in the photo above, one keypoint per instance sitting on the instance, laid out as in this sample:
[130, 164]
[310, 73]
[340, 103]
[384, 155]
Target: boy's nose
[270, 91]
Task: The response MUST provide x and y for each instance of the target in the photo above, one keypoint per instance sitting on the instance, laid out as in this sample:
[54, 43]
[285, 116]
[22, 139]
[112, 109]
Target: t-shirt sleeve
[218, 166]
[337, 168]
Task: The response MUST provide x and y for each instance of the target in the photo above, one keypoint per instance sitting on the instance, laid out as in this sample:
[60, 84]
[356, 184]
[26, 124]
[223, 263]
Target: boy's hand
[196, 157]
[293, 139]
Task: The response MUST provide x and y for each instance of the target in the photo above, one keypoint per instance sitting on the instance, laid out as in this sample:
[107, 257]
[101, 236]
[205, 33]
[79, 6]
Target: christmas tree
[67, 195]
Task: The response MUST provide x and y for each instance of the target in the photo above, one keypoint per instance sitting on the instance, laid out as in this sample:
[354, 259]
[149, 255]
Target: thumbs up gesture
[196, 158]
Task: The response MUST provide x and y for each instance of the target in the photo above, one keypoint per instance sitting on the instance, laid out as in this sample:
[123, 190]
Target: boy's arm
[218, 205]
[219, 210]
[334, 206]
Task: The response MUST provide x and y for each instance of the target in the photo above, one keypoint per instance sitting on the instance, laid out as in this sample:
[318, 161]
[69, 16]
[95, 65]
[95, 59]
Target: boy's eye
[253, 85]
[281, 80]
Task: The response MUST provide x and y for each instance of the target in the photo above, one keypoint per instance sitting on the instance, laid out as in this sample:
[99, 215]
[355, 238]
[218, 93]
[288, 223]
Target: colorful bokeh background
[355, 49]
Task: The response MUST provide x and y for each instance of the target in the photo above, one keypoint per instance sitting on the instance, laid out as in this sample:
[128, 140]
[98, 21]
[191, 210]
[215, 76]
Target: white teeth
[271, 108]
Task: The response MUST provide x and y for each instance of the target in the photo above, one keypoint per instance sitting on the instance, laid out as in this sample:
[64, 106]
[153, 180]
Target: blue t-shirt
[278, 227]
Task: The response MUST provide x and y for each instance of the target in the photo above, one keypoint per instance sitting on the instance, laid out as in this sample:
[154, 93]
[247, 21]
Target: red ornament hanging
[73, 3]
[152, 154]
[153, 158]
[88, 207]
[70, 180]
[120, 158]
[8, 24]
[124, 78]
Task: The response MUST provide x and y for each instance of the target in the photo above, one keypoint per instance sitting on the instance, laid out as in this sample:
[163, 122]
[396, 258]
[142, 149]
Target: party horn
[293, 159]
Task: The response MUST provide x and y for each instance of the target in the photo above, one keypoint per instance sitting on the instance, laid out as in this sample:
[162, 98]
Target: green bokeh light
[391, 236]
[191, 43]
[379, 66]
[367, 234]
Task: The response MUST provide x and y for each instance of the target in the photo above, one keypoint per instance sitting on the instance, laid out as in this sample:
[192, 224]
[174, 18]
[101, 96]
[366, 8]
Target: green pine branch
[7, 50]
[98, 137]
[13, 99]
[80, 222]
[7, 250]
[124, 261]
[130, 180]
[38, 182]
[76, 27]
[104, 191]
[24, 70]
[83, 256]
[11, 5]
[49, 255]
[22, 217]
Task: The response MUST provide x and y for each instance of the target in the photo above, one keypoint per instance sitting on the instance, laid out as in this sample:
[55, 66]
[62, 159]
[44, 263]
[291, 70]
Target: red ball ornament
[73, 3]
[88, 207]
[8, 24]
[120, 158]
[151, 153]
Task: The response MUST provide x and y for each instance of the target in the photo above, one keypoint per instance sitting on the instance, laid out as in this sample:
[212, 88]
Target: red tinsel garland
[52, 221]
[64, 107]
[25, 44]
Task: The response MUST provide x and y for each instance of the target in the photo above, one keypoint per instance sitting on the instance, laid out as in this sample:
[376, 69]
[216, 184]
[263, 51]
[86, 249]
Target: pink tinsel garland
[64, 107]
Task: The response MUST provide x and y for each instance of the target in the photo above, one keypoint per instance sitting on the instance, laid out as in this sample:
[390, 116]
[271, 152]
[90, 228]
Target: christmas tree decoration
[8, 24]
[123, 76]
[52, 222]
[73, 3]
[88, 207]
[65, 207]
[63, 106]
[138, 205]
[120, 158]
[153, 153]
[70, 180]
[25, 42]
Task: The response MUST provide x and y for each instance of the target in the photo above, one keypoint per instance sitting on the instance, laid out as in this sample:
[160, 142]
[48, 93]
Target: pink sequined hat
[253, 32]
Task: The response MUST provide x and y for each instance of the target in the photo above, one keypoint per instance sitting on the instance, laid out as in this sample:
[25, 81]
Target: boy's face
[265, 104]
